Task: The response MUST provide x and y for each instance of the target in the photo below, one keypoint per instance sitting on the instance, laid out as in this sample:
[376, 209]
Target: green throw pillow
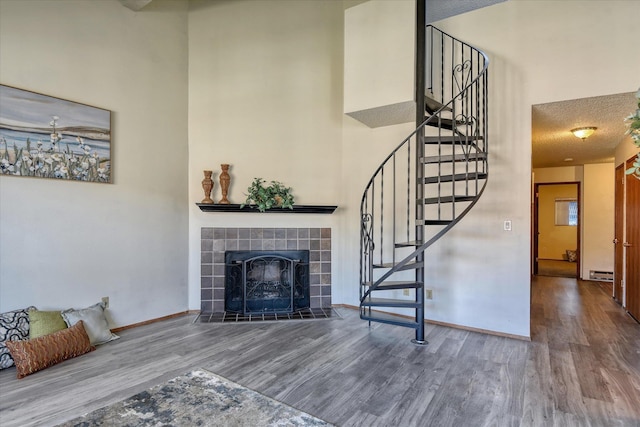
[44, 323]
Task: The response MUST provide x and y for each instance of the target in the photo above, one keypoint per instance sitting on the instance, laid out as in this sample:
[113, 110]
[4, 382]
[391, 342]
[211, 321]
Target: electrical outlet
[406, 292]
[105, 300]
[428, 293]
[507, 225]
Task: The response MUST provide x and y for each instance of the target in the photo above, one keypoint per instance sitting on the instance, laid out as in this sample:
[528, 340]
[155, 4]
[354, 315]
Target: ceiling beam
[135, 5]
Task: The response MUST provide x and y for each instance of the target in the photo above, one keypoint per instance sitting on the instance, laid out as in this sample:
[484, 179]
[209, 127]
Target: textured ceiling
[552, 141]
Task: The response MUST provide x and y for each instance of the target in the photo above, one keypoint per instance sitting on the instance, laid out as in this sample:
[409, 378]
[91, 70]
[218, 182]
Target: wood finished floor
[582, 368]
[557, 268]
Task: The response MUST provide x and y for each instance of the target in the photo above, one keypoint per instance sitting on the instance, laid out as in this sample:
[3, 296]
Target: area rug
[199, 398]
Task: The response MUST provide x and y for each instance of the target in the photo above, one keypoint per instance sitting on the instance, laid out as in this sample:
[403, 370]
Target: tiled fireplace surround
[216, 240]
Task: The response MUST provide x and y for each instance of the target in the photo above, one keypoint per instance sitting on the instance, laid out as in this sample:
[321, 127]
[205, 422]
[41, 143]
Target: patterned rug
[199, 398]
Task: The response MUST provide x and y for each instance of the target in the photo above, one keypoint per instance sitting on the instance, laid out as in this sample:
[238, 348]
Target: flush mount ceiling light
[583, 132]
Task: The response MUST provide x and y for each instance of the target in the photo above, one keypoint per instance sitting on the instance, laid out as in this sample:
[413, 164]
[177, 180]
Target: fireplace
[216, 241]
[266, 282]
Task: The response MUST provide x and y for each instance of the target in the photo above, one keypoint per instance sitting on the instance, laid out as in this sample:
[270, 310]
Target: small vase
[225, 180]
[207, 186]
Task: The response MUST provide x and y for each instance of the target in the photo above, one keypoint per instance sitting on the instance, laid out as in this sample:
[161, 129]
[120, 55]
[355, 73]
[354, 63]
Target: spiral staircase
[428, 183]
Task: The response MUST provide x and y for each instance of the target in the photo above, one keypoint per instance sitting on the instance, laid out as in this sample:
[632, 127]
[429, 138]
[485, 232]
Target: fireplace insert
[266, 281]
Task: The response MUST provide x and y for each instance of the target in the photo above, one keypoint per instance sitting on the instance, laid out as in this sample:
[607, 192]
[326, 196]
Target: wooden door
[536, 232]
[632, 245]
[618, 238]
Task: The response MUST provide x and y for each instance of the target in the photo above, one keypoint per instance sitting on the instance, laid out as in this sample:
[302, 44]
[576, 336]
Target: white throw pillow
[95, 323]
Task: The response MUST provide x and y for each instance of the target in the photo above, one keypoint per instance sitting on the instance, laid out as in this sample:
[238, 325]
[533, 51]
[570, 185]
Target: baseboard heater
[604, 276]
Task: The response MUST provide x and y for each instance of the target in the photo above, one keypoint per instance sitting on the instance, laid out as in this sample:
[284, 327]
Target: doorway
[556, 246]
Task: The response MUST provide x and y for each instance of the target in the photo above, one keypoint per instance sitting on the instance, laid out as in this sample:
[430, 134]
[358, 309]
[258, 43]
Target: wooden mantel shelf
[235, 208]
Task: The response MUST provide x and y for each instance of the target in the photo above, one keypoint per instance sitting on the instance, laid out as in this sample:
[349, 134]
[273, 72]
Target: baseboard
[448, 325]
[159, 319]
[352, 307]
[482, 331]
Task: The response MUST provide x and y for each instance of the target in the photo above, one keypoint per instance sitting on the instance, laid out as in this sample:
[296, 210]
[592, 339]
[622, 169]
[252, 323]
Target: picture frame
[47, 137]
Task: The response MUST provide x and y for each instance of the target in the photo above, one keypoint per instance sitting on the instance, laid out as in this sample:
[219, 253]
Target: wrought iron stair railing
[427, 184]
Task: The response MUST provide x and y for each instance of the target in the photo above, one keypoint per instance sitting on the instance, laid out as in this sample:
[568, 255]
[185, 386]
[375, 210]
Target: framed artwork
[46, 137]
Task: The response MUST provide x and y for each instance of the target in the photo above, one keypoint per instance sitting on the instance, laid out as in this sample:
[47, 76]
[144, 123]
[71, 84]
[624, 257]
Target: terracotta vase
[225, 180]
[207, 186]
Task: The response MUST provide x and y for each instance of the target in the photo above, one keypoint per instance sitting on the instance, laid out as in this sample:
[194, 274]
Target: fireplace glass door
[259, 282]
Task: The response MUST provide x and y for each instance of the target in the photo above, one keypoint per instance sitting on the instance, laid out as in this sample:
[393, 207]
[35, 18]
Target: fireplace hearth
[266, 282]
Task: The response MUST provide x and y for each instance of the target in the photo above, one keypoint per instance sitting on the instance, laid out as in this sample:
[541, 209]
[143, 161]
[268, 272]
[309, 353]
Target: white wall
[558, 174]
[265, 95]
[598, 218]
[66, 244]
[363, 150]
[379, 54]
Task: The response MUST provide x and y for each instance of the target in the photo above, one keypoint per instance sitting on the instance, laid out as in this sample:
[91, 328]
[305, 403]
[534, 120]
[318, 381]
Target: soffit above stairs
[135, 5]
[386, 115]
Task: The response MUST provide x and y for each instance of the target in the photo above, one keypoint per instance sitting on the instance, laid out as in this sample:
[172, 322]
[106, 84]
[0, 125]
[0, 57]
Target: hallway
[589, 348]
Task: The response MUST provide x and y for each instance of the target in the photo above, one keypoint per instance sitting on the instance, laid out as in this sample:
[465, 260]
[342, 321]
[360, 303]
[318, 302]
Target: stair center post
[420, 86]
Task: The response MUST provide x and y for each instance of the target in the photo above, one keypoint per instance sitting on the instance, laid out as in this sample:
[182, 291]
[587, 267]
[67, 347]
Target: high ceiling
[553, 143]
[551, 124]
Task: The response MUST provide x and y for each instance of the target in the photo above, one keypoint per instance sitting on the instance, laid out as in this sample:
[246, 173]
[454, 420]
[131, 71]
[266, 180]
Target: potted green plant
[633, 122]
[267, 197]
